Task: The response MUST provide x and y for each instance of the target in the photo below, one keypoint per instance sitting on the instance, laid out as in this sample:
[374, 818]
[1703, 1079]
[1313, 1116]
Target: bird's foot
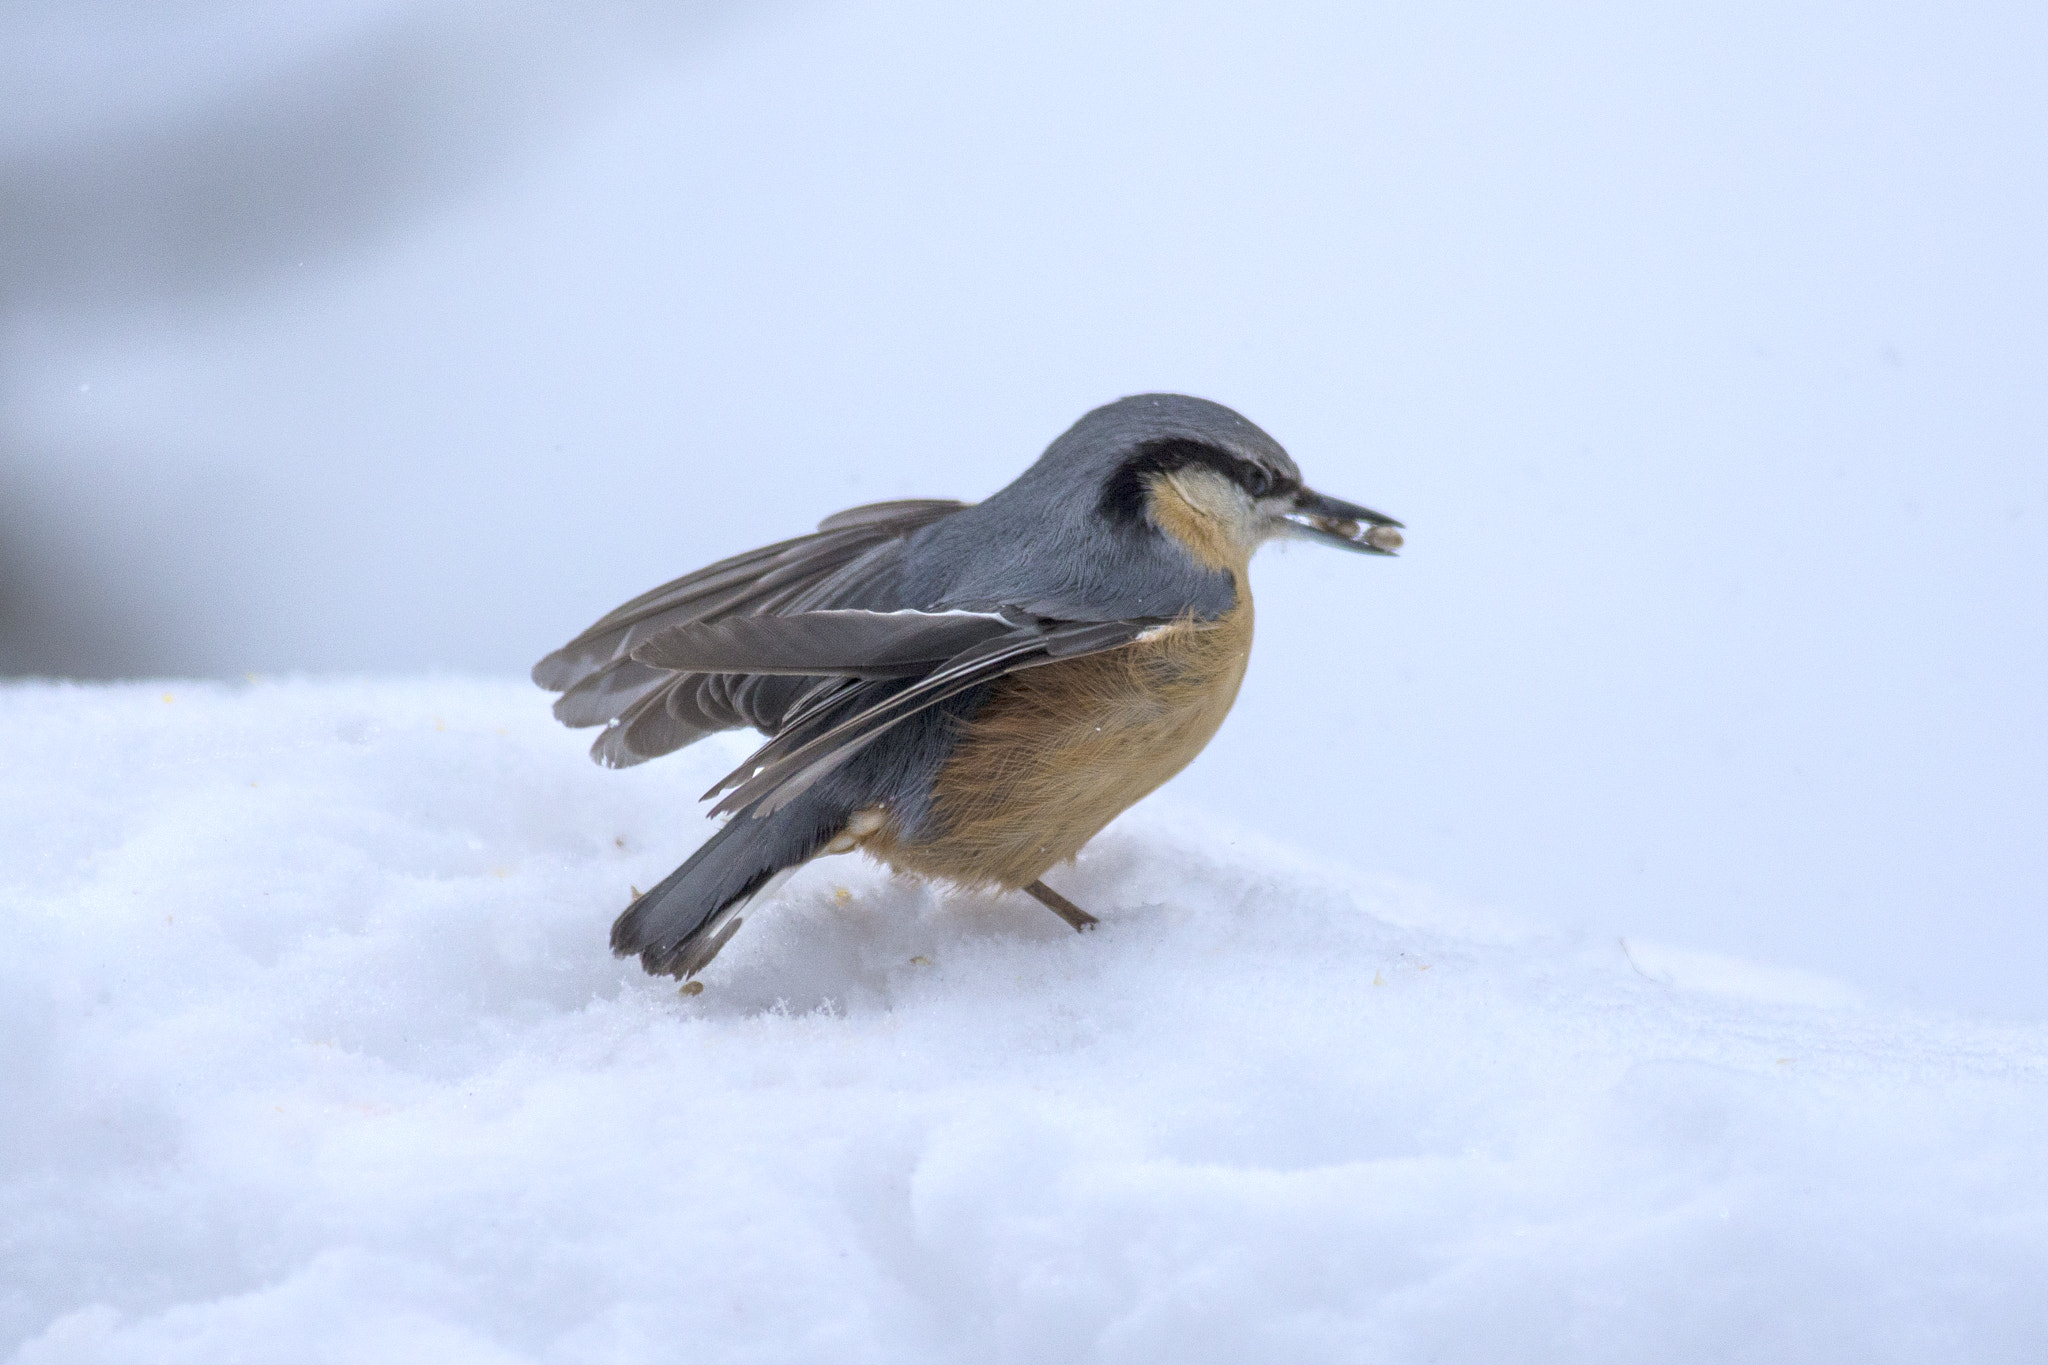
[1061, 906]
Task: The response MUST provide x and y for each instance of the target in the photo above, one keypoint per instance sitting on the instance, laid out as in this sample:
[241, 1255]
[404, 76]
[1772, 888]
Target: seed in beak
[1381, 537]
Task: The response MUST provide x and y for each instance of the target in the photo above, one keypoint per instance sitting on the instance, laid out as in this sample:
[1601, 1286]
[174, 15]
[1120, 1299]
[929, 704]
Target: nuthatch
[967, 692]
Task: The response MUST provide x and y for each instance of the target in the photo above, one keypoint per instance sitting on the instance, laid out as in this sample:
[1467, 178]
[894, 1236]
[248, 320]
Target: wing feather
[820, 739]
[747, 581]
[644, 730]
[607, 694]
[649, 710]
[846, 643]
[897, 513]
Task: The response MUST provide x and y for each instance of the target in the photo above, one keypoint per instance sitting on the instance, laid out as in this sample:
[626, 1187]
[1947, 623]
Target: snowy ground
[313, 1052]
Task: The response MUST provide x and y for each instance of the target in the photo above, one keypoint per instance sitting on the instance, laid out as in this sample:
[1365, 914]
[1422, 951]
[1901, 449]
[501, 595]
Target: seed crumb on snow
[410, 1107]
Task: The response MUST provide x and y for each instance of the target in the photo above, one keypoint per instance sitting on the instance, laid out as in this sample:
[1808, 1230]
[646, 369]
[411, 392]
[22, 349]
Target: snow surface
[314, 1053]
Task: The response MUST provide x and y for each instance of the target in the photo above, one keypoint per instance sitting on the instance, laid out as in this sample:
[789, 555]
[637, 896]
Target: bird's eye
[1258, 482]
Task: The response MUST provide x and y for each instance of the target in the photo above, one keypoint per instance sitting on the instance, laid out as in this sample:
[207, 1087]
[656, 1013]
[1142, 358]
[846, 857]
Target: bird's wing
[864, 673]
[832, 643]
[650, 710]
[757, 581]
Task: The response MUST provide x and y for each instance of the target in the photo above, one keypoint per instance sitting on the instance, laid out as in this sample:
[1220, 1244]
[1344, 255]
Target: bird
[967, 692]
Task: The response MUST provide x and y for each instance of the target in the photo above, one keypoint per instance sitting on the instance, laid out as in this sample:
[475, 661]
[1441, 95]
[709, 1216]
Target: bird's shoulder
[1059, 566]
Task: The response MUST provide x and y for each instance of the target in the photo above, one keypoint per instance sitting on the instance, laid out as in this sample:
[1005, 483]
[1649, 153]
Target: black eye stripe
[1123, 497]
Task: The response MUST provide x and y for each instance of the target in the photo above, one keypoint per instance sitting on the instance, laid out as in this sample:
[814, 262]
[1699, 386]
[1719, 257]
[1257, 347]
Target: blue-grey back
[1043, 543]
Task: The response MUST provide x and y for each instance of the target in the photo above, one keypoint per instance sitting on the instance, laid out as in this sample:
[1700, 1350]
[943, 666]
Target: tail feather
[679, 926]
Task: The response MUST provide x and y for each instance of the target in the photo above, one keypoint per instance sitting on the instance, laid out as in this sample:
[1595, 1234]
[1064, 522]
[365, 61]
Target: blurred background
[1703, 349]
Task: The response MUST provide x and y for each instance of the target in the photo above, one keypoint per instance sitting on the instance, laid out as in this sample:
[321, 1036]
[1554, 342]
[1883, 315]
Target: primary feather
[650, 710]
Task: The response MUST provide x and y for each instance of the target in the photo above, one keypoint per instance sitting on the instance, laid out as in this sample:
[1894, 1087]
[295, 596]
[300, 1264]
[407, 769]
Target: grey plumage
[650, 711]
[862, 649]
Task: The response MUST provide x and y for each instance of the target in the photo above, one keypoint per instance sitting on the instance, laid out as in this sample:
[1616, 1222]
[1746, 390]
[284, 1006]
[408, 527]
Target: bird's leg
[1061, 906]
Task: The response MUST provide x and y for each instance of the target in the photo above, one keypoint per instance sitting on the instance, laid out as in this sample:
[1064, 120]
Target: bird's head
[1202, 474]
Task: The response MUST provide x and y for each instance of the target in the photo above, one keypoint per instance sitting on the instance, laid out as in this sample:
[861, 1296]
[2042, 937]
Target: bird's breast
[1055, 753]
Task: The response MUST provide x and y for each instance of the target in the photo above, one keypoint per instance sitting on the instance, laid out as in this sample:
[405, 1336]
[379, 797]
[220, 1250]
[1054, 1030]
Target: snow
[315, 1053]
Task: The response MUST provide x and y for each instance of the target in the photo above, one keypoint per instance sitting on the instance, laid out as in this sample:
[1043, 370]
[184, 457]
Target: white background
[1703, 353]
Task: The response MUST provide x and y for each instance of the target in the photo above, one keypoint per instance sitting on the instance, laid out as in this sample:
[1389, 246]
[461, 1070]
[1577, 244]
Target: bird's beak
[1336, 522]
